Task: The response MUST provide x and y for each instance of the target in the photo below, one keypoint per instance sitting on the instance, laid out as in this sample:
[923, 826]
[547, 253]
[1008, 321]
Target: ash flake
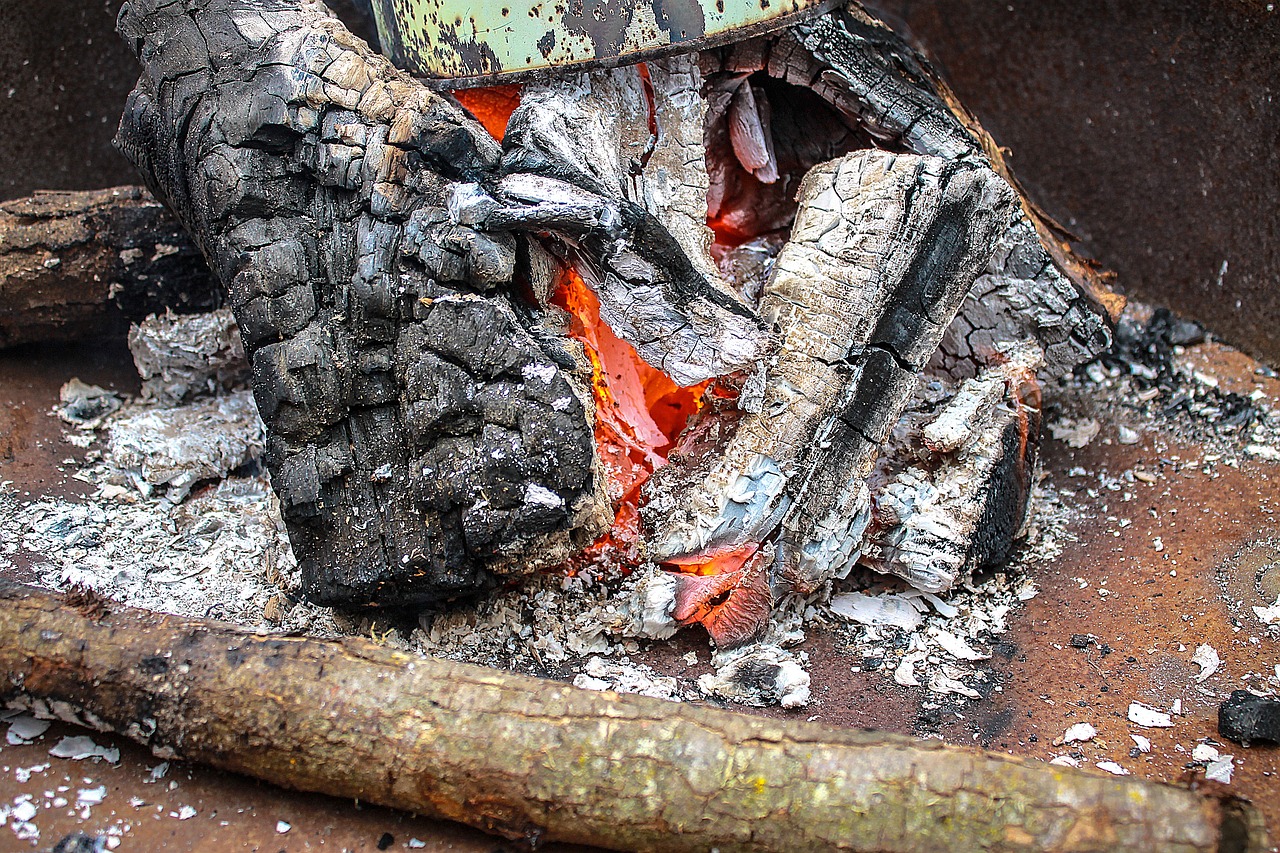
[544, 373]
[542, 496]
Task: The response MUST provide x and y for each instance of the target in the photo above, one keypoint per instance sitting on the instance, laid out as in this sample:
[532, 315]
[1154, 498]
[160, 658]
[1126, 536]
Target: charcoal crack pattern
[425, 431]
[430, 425]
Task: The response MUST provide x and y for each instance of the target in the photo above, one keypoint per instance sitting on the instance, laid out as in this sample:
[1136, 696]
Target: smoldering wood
[428, 427]
[1035, 287]
[77, 265]
[626, 196]
[373, 239]
[952, 483]
[884, 249]
[426, 432]
[542, 761]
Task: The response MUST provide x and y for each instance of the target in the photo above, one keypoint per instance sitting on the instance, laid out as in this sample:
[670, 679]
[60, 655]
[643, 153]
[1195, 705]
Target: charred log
[542, 761]
[86, 264]
[1034, 286]
[425, 430]
[431, 427]
[882, 254]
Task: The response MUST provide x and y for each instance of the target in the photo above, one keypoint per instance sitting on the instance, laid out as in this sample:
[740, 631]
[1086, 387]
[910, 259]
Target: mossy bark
[544, 761]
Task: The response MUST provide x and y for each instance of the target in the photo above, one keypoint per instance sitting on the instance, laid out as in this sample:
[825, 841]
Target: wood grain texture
[543, 761]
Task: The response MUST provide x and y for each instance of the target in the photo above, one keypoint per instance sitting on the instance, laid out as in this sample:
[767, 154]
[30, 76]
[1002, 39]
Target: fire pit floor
[1169, 549]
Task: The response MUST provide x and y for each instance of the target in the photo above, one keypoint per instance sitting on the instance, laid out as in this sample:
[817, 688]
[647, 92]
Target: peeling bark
[86, 264]
[543, 761]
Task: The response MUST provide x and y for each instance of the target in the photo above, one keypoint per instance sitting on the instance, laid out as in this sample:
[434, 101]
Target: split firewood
[86, 264]
[542, 761]
[436, 420]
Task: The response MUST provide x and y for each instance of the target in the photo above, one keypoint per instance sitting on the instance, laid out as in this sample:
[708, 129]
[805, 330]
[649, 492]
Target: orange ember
[492, 106]
[715, 562]
[640, 412]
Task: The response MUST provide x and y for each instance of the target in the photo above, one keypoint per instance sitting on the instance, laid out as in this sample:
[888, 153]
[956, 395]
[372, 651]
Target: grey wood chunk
[635, 206]
[884, 249]
[421, 436]
[958, 503]
[880, 83]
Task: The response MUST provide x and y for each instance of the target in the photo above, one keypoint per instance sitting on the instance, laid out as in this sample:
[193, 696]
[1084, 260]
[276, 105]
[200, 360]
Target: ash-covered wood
[884, 249]
[583, 156]
[184, 356]
[86, 264]
[429, 424]
[424, 430]
[541, 761]
[951, 488]
[885, 89]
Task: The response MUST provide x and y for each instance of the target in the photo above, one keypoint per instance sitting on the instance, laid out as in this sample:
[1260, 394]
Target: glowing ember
[492, 106]
[733, 604]
[640, 412]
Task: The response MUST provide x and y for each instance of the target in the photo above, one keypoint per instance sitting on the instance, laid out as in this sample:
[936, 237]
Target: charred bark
[425, 430]
[429, 427]
[86, 264]
[541, 761]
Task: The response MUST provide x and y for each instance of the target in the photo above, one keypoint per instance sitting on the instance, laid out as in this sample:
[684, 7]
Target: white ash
[1206, 657]
[221, 553]
[25, 729]
[626, 677]
[887, 609]
[85, 405]
[1076, 433]
[1220, 769]
[176, 447]
[1079, 733]
[759, 674]
[940, 642]
[80, 747]
[1144, 715]
[184, 356]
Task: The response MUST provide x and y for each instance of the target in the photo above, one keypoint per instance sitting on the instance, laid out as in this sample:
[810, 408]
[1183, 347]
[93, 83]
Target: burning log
[471, 356]
[541, 761]
[86, 264]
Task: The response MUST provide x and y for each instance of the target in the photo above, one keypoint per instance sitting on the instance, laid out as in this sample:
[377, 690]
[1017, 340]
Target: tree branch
[544, 761]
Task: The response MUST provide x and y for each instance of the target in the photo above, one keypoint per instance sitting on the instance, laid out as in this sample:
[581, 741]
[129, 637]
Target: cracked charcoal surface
[422, 435]
[884, 249]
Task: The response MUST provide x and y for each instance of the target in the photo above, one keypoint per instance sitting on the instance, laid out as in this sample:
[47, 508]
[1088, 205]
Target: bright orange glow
[640, 412]
[493, 106]
[727, 235]
[715, 562]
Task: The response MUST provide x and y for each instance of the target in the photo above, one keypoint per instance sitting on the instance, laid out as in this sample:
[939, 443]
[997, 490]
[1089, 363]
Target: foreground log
[542, 761]
[86, 264]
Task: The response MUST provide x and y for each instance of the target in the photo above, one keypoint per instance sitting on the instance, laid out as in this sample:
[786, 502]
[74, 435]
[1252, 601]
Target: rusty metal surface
[64, 74]
[1073, 654]
[472, 44]
[1148, 128]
